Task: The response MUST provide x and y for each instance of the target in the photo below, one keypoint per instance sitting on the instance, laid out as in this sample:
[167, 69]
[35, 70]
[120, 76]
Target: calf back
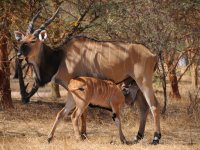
[96, 91]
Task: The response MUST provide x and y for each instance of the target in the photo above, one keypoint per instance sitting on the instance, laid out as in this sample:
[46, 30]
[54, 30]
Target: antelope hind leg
[143, 110]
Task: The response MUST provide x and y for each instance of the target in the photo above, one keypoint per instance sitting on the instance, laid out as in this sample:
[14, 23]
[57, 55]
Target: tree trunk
[193, 68]
[194, 74]
[25, 96]
[164, 83]
[16, 70]
[170, 56]
[174, 85]
[5, 91]
[55, 90]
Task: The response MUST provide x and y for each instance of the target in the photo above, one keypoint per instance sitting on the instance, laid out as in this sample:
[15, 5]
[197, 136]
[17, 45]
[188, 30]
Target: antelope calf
[88, 90]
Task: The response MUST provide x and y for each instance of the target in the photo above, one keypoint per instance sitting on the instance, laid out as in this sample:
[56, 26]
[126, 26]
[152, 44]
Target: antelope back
[96, 91]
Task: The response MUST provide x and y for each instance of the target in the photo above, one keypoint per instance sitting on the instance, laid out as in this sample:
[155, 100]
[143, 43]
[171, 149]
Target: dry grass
[27, 126]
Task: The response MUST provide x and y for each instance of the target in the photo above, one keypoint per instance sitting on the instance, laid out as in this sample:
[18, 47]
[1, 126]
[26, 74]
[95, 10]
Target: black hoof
[138, 138]
[124, 141]
[135, 141]
[155, 142]
[83, 136]
[157, 137]
[128, 143]
[49, 139]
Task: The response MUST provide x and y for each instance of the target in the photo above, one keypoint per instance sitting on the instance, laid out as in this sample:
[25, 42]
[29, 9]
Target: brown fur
[104, 60]
[86, 90]
[132, 96]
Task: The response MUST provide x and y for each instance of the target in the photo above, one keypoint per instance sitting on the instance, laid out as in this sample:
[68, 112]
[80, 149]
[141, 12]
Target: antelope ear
[18, 35]
[43, 35]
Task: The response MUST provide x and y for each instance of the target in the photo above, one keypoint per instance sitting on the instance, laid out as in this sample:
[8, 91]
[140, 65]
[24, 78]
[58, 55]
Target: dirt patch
[27, 126]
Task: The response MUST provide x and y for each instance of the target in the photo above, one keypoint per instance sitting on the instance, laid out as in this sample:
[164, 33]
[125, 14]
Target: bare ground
[27, 126]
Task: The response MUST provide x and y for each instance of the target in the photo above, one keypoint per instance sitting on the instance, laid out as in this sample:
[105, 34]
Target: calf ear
[43, 35]
[18, 35]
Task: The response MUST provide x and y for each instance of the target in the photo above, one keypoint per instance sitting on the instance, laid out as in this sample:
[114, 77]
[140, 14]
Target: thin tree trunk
[169, 59]
[164, 85]
[5, 91]
[194, 74]
[16, 70]
[25, 96]
[174, 85]
[55, 90]
[193, 68]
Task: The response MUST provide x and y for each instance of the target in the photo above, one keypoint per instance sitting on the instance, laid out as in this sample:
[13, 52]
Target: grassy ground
[27, 126]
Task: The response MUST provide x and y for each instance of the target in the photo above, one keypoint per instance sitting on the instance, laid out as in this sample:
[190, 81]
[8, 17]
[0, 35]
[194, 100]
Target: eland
[83, 56]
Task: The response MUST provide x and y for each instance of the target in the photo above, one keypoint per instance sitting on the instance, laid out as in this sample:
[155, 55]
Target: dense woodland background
[169, 28]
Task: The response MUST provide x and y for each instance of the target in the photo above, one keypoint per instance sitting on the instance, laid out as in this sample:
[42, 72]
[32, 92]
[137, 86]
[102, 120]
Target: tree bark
[25, 96]
[174, 85]
[55, 90]
[16, 70]
[164, 86]
[5, 91]
[170, 57]
[162, 74]
[194, 74]
[194, 67]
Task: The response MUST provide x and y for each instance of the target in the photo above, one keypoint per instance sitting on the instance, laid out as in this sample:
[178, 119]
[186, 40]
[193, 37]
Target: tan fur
[35, 47]
[135, 96]
[106, 60]
[115, 61]
[87, 90]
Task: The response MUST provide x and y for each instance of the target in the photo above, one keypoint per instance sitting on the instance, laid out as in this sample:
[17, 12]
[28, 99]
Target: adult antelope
[82, 56]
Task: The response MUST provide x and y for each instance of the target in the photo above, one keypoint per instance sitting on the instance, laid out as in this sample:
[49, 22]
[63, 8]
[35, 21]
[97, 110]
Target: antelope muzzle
[23, 51]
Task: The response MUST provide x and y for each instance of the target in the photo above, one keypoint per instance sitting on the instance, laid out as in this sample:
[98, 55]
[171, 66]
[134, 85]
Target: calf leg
[83, 125]
[116, 118]
[75, 117]
[70, 104]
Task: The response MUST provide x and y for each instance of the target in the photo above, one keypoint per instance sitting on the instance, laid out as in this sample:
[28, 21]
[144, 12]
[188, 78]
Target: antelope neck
[47, 63]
